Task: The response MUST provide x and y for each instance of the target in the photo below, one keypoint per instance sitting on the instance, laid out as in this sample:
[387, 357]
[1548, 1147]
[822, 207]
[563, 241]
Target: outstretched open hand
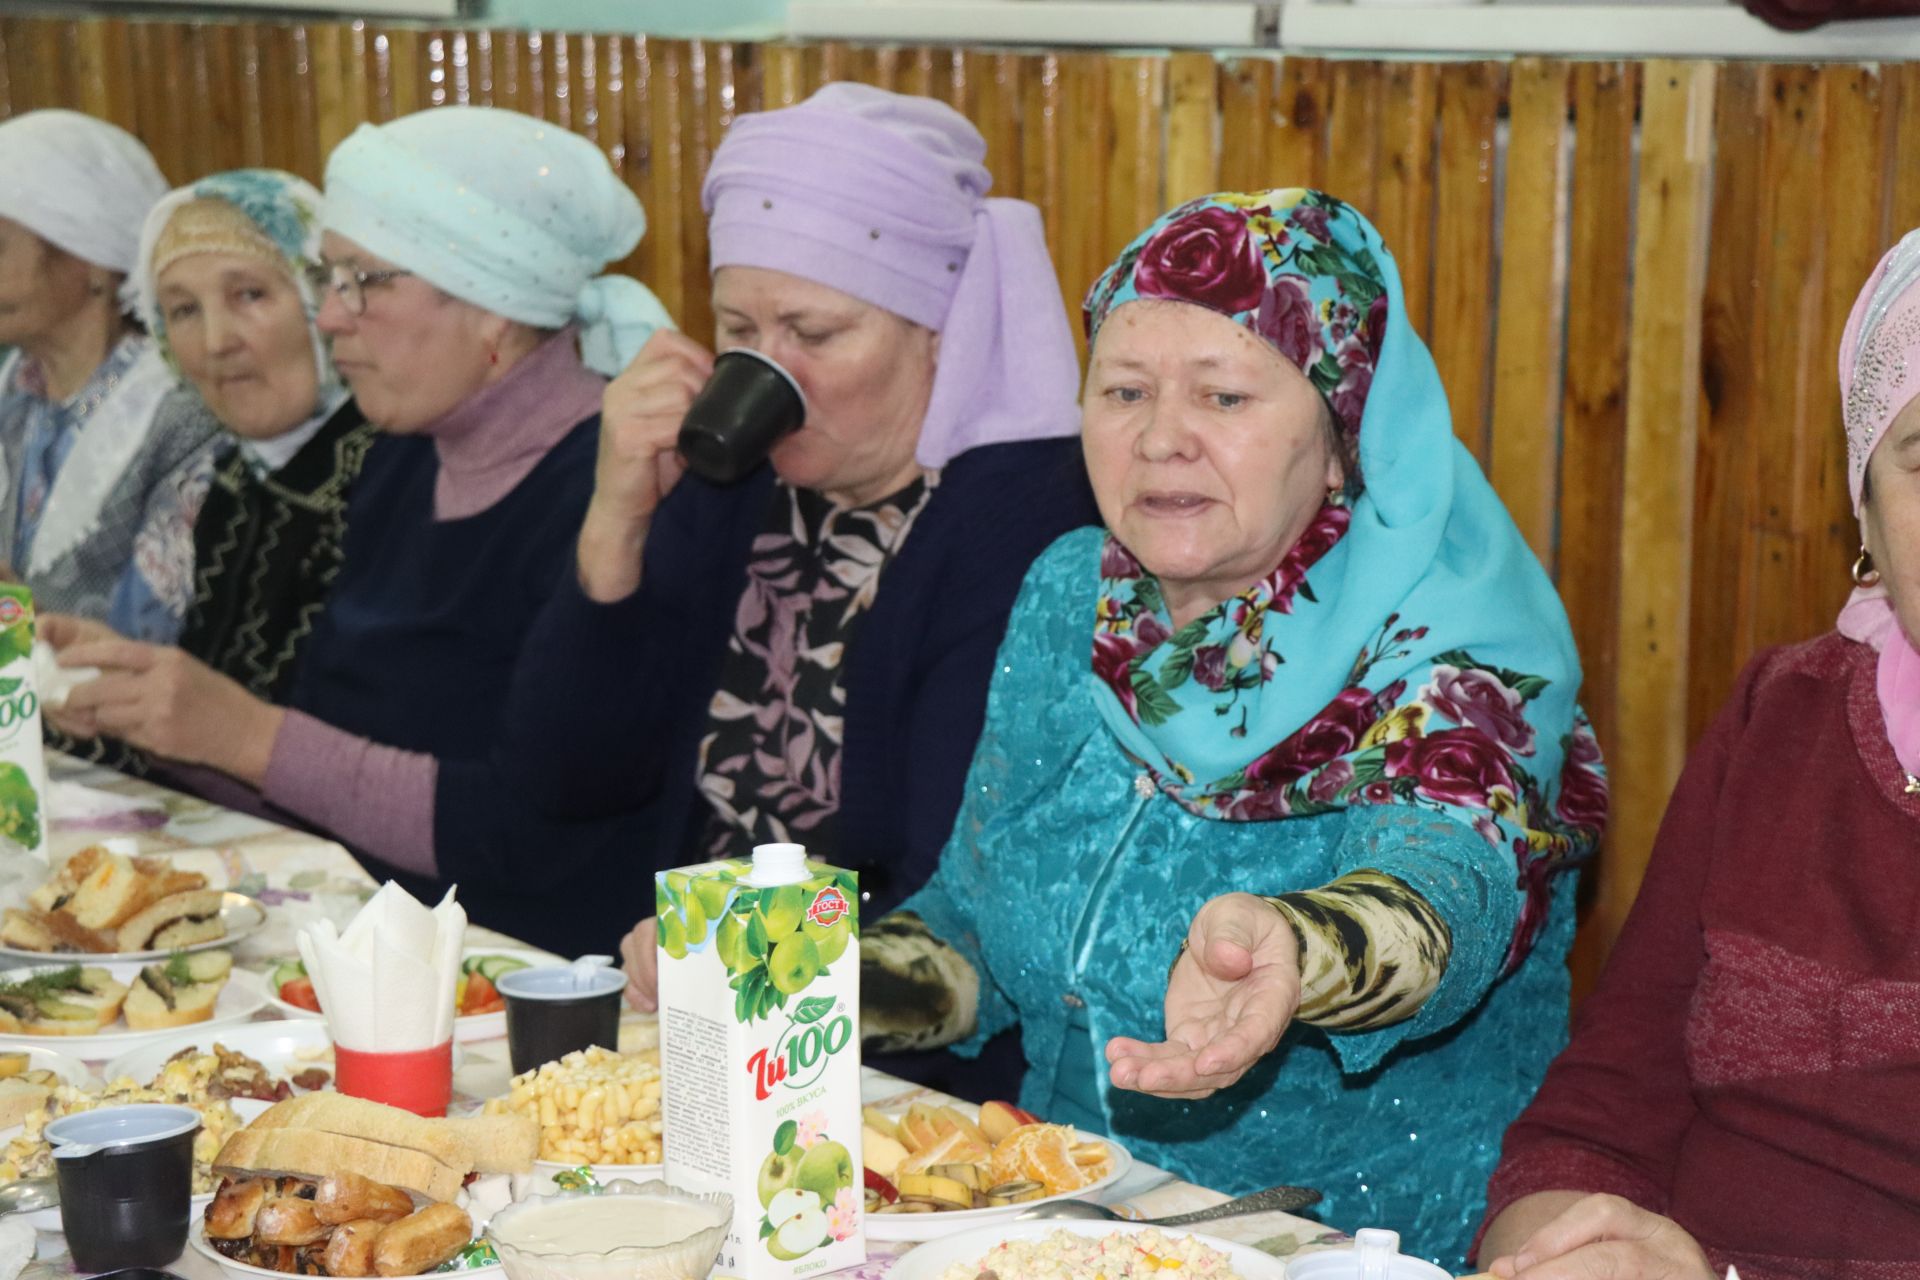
[1229, 999]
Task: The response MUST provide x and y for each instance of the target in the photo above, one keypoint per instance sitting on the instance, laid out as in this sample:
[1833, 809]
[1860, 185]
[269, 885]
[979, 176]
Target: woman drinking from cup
[225, 285]
[100, 471]
[1326, 763]
[462, 247]
[804, 654]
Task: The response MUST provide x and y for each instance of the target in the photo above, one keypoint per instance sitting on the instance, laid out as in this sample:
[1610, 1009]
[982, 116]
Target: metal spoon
[28, 1194]
[1272, 1200]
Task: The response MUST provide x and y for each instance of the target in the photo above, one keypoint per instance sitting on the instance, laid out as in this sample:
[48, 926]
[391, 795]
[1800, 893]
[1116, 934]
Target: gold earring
[1864, 574]
[1336, 495]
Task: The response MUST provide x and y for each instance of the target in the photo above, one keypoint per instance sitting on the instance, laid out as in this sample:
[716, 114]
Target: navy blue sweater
[427, 623]
[916, 672]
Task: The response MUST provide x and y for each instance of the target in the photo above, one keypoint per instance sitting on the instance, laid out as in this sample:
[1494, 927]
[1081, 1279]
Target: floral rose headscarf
[1408, 649]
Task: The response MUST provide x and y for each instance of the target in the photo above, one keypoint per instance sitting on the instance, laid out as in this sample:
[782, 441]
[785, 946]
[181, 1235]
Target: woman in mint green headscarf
[1301, 723]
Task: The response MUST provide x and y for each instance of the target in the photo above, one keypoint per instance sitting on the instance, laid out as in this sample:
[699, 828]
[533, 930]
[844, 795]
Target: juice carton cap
[777, 864]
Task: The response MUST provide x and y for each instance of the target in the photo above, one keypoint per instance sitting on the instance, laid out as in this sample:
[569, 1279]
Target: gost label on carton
[760, 1056]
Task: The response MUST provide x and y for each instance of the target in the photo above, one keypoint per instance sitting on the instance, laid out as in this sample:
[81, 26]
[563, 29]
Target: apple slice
[917, 1128]
[881, 1153]
[998, 1119]
[880, 1122]
[955, 1148]
[959, 1122]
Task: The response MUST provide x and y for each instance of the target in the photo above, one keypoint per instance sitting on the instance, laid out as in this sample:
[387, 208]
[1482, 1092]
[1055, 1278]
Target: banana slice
[1015, 1192]
[968, 1175]
[942, 1191]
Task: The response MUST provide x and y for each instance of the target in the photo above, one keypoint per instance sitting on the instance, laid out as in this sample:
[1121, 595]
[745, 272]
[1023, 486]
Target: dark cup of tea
[733, 424]
[126, 1183]
[552, 1010]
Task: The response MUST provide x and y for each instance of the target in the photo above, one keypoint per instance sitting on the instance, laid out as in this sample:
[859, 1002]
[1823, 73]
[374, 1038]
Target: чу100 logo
[800, 1056]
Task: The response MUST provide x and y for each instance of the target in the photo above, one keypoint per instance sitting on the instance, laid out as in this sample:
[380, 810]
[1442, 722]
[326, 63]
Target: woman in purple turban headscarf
[804, 655]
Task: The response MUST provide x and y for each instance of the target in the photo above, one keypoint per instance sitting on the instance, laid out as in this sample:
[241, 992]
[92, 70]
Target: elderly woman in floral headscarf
[1739, 1088]
[224, 282]
[1301, 723]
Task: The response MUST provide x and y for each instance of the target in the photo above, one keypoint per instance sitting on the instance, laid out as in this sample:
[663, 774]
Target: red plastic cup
[420, 1081]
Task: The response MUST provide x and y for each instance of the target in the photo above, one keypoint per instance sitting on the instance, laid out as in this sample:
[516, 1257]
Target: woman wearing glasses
[226, 282]
[463, 246]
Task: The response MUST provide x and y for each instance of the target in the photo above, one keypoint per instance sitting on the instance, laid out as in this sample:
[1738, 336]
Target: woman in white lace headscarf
[101, 467]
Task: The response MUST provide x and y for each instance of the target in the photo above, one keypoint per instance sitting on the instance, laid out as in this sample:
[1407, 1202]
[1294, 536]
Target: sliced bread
[312, 1153]
[178, 920]
[19, 1098]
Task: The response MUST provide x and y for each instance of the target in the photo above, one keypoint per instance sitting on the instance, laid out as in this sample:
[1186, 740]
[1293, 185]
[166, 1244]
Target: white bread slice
[310, 1153]
[142, 931]
[111, 893]
[487, 1144]
[62, 884]
[25, 931]
[20, 1097]
[147, 1010]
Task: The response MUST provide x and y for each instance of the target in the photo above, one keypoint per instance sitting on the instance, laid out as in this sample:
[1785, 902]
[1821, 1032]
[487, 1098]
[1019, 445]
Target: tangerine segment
[1008, 1162]
[1049, 1160]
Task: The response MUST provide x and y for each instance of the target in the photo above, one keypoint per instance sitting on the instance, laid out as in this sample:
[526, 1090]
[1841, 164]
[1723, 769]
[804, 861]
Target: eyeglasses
[351, 283]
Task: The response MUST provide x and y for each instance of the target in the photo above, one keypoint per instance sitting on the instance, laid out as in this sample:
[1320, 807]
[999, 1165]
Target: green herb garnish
[179, 972]
[33, 986]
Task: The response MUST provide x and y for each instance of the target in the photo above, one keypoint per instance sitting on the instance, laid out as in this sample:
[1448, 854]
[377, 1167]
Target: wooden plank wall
[1631, 275]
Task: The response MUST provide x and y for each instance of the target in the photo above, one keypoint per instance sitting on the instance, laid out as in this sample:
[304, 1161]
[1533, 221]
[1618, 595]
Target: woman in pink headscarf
[804, 654]
[1739, 1089]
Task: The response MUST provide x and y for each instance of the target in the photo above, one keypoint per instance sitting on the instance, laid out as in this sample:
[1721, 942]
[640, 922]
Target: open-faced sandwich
[178, 993]
[331, 1185]
[72, 1001]
[101, 902]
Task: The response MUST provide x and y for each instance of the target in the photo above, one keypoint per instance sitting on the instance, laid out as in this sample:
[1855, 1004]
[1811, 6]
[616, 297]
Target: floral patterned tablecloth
[301, 877]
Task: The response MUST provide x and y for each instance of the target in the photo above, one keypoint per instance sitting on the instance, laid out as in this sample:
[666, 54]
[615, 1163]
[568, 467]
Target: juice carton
[760, 1056]
[23, 761]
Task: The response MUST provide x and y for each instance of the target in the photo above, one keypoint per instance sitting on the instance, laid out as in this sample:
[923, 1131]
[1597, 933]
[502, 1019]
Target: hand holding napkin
[387, 982]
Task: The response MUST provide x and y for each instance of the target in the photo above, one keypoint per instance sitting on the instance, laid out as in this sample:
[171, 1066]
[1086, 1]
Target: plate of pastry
[118, 906]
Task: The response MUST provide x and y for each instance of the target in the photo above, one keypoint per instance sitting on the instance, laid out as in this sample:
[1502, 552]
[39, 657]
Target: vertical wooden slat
[1353, 134]
[480, 73]
[1525, 448]
[1136, 99]
[1670, 246]
[1082, 212]
[1858, 156]
[1044, 105]
[249, 107]
[785, 74]
[1296, 141]
[8, 108]
[334, 117]
[1470, 94]
[708, 71]
[105, 71]
[996, 90]
[1193, 110]
[404, 71]
[20, 77]
[1903, 203]
[1594, 410]
[637, 106]
[168, 126]
[1793, 358]
[1247, 106]
[1404, 195]
[1722, 577]
[665, 98]
[214, 80]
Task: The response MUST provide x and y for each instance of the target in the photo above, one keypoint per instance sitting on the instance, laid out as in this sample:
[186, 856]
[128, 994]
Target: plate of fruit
[934, 1170]
[483, 1011]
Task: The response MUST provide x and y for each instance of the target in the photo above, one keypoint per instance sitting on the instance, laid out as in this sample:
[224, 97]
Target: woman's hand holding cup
[640, 420]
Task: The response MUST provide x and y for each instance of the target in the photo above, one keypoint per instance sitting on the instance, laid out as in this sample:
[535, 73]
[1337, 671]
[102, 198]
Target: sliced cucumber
[491, 967]
[285, 973]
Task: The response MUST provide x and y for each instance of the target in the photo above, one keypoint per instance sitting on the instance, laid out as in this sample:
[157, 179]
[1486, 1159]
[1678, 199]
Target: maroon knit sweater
[1749, 1064]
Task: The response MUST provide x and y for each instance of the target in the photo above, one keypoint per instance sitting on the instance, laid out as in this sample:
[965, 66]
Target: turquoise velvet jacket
[1070, 891]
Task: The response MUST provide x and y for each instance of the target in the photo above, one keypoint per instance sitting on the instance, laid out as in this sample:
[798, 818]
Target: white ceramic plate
[242, 915]
[930, 1261]
[197, 1241]
[935, 1226]
[283, 1048]
[474, 1026]
[242, 997]
[69, 1069]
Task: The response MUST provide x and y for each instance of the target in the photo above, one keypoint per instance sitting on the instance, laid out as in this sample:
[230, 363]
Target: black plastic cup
[552, 1010]
[733, 424]
[126, 1183]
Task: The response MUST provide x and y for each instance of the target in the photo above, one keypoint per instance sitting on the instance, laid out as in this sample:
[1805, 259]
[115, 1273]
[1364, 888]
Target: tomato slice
[480, 996]
[299, 991]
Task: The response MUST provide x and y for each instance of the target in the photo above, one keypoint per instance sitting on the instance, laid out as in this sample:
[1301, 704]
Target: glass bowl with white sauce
[623, 1231]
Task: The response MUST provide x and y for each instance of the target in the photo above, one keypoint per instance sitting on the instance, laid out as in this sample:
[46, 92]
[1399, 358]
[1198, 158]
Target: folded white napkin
[53, 682]
[17, 1242]
[387, 982]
